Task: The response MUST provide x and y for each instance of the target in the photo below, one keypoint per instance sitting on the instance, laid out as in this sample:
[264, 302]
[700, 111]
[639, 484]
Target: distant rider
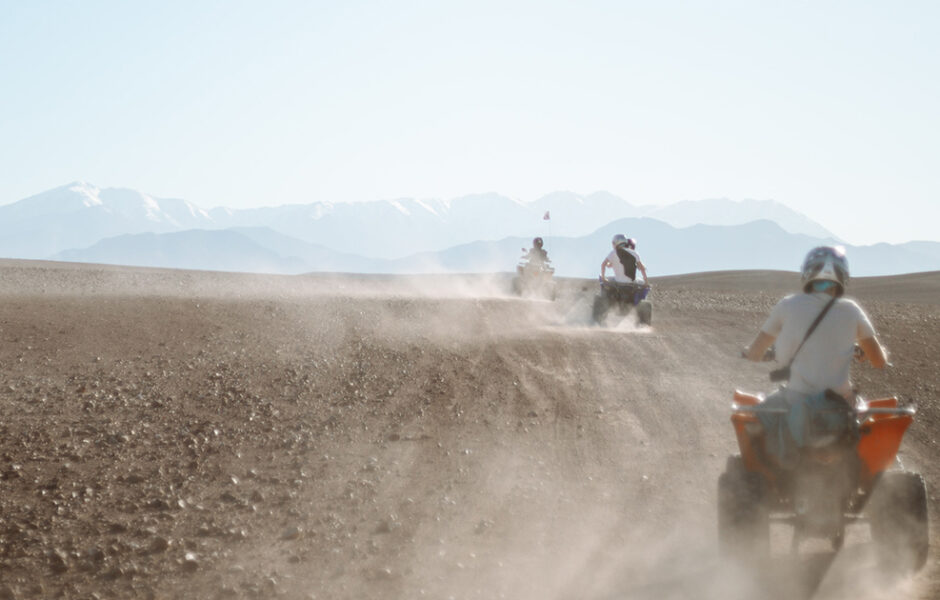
[537, 256]
[624, 261]
[818, 378]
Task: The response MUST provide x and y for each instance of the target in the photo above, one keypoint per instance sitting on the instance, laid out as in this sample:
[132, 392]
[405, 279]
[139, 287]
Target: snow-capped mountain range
[477, 233]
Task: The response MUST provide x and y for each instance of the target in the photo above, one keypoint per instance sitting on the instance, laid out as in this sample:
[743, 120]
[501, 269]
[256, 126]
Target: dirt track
[202, 435]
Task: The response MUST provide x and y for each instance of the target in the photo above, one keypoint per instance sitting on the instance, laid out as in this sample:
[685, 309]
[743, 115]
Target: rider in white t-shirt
[624, 260]
[818, 388]
[823, 361]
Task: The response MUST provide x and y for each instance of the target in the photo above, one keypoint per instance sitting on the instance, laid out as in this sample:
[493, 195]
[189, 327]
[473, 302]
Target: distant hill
[477, 233]
[721, 211]
[666, 250]
[193, 249]
[79, 215]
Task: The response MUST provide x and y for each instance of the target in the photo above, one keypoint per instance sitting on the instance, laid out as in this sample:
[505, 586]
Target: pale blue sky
[830, 107]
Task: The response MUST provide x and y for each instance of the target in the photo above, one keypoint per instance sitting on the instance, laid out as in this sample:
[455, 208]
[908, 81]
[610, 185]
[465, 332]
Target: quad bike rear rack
[754, 491]
[882, 424]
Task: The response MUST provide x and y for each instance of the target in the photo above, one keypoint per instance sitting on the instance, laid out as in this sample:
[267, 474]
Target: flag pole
[548, 217]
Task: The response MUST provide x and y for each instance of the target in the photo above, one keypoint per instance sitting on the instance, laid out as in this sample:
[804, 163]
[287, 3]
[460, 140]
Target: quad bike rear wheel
[603, 305]
[898, 516]
[644, 312]
[743, 518]
[600, 308]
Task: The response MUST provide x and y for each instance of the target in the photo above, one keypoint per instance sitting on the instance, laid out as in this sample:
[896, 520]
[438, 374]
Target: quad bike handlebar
[770, 355]
[540, 266]
[861, 412]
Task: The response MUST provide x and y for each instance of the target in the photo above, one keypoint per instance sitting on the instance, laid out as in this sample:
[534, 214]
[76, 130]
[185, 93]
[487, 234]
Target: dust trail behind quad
[563, 460]
[339, 437]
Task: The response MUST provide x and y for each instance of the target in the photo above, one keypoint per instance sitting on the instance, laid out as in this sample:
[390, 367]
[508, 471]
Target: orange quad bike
[850, 479]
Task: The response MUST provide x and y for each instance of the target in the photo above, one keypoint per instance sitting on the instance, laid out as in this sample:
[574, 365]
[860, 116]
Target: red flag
[547, 216]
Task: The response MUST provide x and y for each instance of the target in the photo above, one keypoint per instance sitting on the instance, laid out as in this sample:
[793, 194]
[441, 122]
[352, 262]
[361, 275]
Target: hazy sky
[830, 107]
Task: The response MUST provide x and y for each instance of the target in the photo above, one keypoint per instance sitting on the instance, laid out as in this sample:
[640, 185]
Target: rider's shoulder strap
[812, 327]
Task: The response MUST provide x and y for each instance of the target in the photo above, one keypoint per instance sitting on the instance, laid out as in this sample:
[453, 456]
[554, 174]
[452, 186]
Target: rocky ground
[170, 434]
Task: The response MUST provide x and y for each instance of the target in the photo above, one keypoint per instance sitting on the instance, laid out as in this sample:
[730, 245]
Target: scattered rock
[190, 562]
[58, 561]
[482, 526]
[383, 527]
[230, 498]
[159, 544]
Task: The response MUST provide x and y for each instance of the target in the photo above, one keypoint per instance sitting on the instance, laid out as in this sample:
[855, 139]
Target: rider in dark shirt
[537, 255]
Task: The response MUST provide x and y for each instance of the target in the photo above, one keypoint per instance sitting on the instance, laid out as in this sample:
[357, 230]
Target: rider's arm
[642, 268]
[874, 352]
[604, 266]
[755, 352]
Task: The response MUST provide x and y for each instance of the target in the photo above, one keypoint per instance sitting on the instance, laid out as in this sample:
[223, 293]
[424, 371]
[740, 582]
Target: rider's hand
[858, 353]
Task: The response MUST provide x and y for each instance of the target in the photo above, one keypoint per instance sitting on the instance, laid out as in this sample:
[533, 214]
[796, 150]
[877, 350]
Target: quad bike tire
[600, 308]
[743, 518]
[898, 516]
[644, 312]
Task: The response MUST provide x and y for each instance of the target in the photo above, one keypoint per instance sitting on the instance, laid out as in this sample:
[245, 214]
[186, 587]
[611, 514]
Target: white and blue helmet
[825, 263]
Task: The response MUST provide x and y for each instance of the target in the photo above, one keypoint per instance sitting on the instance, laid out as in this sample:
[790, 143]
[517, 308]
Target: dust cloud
[335, 437]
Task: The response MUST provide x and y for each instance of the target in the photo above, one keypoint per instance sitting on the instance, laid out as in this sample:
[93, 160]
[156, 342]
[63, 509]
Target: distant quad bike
[534, 280]
[623, 298]
[846, 480]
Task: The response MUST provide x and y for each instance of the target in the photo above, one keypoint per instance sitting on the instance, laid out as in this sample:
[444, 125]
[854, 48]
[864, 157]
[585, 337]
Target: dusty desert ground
[176, 434]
